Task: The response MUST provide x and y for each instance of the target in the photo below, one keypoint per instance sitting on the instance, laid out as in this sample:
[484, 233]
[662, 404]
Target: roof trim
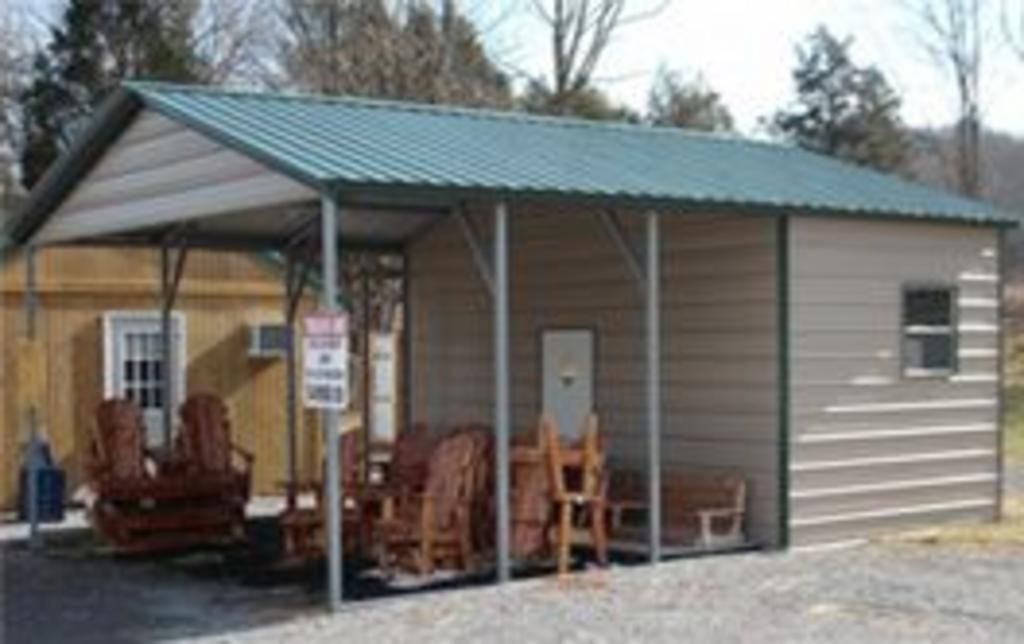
[697, 206]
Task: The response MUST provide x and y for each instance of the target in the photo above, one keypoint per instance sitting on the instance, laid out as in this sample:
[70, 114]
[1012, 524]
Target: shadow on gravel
[76, 590]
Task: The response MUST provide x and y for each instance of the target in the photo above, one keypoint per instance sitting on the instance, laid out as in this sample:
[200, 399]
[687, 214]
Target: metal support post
[501, 387]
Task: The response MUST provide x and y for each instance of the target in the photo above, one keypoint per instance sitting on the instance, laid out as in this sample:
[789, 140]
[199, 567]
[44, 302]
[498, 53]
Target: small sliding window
[929, 331]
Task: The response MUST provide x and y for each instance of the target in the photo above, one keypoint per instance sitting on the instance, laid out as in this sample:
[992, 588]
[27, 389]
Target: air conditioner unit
[267, 340]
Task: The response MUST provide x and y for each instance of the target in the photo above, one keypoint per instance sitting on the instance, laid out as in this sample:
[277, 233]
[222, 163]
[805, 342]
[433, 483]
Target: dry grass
[1015, 424]
[1008, 533]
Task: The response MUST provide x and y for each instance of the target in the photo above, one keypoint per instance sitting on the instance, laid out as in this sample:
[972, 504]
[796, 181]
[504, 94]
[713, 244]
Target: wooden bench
[705, 511]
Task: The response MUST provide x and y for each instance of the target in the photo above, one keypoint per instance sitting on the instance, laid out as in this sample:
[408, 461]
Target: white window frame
[180, 366]
[918, 330]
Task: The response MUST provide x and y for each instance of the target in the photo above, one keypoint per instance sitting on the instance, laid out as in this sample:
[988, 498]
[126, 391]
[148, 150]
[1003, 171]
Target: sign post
[325, 387]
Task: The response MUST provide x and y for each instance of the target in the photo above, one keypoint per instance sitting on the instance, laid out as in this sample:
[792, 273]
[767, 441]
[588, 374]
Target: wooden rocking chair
[434, 526]
[586, 492]
[410, 458]
[140, 507]
[302, 529]
[530, 496]
[204, 449]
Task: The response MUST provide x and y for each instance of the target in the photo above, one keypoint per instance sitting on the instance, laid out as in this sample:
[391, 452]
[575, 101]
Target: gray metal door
[568, 378]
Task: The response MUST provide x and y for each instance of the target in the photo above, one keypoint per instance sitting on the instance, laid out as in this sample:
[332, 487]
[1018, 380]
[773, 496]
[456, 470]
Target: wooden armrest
[707, 531]
[720, 512]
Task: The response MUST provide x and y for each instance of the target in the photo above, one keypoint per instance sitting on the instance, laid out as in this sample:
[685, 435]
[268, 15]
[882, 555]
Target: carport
[176, 168]
[269, 185]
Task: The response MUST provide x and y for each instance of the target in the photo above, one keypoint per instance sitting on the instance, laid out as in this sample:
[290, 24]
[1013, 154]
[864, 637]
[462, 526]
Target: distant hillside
[1002, 171]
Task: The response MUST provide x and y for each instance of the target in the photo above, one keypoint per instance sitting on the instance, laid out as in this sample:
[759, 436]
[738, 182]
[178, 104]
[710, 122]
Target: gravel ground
[879, 592]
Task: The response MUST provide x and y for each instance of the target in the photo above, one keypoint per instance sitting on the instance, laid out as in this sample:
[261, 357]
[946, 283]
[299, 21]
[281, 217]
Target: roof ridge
[458, 110]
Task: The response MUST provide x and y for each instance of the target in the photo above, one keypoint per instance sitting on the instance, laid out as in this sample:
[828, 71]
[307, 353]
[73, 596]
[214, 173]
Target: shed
[830, 333]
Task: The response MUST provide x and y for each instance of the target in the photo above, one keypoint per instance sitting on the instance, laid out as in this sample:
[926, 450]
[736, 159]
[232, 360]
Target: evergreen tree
[97, 44]
[842, 109]
[674, 102]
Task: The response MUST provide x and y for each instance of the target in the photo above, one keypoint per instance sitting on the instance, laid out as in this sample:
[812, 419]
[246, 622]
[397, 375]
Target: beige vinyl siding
[872, 450]
[166, 171]
[718, 346]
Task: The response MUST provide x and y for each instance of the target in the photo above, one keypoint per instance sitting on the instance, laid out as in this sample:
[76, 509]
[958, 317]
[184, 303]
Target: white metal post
[32, 415]
[501, 387]
[331, 418]
[654, 384]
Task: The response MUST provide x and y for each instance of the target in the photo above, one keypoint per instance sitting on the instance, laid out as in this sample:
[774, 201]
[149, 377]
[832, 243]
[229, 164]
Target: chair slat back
[481, 484]
[119, 440]
[588, 454]
[205, 439]
[449, 477]
[410, 457]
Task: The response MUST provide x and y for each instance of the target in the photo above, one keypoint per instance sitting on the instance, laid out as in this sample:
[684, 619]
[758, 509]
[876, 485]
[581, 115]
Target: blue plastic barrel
[50, 489]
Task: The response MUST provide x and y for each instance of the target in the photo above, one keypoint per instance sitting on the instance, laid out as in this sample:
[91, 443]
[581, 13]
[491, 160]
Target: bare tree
[408, 49]
[953, 32]
[581, 31]
[14, 63]
[676, 101]
[233, 40]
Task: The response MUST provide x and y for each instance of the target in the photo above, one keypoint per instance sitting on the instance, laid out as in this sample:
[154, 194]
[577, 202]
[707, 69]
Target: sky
[745, 49]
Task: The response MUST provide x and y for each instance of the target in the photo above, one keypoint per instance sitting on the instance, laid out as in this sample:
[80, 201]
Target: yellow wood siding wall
[872, 450]
[719, 338]
[220, 294]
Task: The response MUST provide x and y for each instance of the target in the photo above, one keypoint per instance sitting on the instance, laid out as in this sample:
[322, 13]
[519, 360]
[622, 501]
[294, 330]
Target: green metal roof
[352, 144]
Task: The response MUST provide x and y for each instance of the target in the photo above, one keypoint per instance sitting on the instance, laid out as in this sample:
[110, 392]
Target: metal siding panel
[848, 382]
[179, 144]
[906, 493]
[171, 174]
[223, 198]
[968, 463]
[221, 165]
[864, 528]
[718, 358]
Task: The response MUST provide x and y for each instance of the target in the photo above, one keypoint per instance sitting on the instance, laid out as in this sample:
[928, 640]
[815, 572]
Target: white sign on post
[383, 387]
[325, 382]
